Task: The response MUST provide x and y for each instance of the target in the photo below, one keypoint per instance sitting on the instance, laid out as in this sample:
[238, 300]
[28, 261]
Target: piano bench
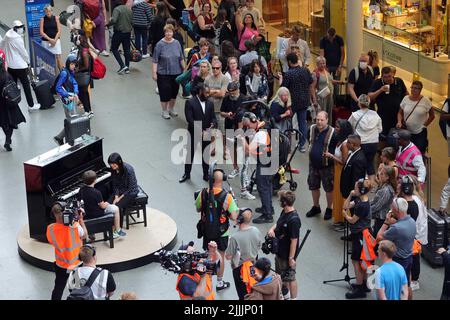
[139, 203]
[103, 224]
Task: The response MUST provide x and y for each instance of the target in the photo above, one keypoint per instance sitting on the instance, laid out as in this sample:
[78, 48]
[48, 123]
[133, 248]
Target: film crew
[193, 284]
[287, 231]
[67, 241]
[446, 262]
[242, 250]
[18, 60]
[124, 183]
[94, 205]
[199, 112]
[322, 139]
[390, 278]
[103, 284]
[268, 286]
[418, 211]
[260, 148]
[214, 221]
[359, 220]
[400, 228]
[409, 158]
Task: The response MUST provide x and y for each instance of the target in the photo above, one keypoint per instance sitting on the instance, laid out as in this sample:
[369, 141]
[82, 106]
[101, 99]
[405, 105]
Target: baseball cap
[232, 86]
[263, 264]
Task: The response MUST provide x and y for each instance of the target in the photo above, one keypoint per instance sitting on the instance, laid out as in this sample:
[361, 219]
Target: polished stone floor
[127, 116]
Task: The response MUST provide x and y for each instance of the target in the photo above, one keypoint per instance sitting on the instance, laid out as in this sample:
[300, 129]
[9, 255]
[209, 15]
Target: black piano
[56, 176]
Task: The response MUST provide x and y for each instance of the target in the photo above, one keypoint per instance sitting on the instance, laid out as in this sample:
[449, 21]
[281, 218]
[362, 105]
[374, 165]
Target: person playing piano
[94, 205]
[124, 182]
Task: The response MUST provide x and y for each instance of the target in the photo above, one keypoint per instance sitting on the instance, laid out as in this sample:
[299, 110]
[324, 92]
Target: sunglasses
[216, 68]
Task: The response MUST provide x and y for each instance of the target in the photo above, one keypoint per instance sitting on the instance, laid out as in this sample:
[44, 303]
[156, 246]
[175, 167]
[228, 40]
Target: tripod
[347, 277]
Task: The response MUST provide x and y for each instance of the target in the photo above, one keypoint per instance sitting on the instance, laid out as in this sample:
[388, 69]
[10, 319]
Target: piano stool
[103, 224]
[139, 203]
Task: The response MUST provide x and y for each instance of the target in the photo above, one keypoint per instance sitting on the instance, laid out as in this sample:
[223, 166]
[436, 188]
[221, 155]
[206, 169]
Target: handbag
[409, 115]
[325, 92]
[83, 78]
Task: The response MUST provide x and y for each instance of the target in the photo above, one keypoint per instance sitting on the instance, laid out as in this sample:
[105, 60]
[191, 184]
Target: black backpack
[212, 227]
[85, 292]
[10, 91]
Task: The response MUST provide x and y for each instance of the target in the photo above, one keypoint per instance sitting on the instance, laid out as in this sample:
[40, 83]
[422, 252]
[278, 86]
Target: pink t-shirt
[247, 35]
[3, 56]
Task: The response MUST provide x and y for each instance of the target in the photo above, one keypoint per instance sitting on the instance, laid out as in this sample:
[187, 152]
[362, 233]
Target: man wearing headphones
[359, 205]
[400, 228]
[67, 241]
[214, 221]
[260, 148]
[103, 285]
[243, 249]
[268, 286]
[18, 60]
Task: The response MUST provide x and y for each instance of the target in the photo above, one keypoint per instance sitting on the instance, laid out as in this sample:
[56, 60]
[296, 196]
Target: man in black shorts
[215, 223]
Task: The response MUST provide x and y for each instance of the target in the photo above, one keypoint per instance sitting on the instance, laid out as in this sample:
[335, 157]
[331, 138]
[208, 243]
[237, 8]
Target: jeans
[141, 38]
[124, 39]
[21, 74]
[265, 190]
[244, 174]
[60, 282]
[302, 125]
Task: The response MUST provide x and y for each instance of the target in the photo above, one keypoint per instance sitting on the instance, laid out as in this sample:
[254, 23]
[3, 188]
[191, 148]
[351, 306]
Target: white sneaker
[173, 113]
[36, 106]
[127, 70]
[233, 174]
[90, 115]
[157, 90]
[165, 115]
[415, 285]
[105, 53]
[247, 195]
[145, 56]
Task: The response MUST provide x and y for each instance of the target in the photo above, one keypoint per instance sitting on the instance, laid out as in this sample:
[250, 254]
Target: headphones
[250, 116]
[240, 217]
[91, 247]
[223, 175]
[62, 204]
[362, 188]
[407, 186]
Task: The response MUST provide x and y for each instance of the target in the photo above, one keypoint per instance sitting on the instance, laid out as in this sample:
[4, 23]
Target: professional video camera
[186, 262]
[270, 245]
[71, 211]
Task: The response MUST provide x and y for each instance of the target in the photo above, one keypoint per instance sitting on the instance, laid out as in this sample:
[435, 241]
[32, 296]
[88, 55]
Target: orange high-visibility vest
[368, 254]
[417, 247]
[197, 279]
[246, 276]
[67, 244]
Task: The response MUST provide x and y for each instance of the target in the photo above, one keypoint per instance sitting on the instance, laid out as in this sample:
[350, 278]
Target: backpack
[85, 291]
[10, 91]
[98, 70]
[213, 228]
[357, 72]
[67, 84]
[195, 49]
[91, 8]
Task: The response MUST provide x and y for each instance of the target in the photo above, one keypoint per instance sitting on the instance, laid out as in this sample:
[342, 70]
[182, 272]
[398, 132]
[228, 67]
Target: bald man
[244, 246]
[360, 80]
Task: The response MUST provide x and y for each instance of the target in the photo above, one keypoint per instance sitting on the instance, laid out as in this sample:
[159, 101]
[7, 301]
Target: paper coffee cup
[388, 88]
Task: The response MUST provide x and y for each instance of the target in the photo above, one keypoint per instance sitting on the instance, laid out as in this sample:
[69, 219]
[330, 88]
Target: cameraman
[358, 200]
[287, 231]
[243, 251]
[215, 228]
[67, 241]
[194, 283]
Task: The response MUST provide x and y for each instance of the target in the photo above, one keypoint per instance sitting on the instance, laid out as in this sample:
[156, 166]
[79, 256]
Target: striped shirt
[142, 14]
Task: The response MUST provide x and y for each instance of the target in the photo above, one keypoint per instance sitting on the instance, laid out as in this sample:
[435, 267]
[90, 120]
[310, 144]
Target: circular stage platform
[133, 251]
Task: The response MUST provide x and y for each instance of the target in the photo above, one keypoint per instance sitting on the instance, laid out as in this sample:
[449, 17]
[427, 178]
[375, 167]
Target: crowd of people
[371, 165]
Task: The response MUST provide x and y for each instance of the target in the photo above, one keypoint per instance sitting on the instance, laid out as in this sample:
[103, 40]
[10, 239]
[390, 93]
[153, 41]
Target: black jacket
[193, 112]
[354, 170]
[10, 113]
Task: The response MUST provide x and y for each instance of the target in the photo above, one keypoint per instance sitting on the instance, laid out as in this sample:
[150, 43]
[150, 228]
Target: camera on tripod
[270, 245]
[71, 212]
[187, 262]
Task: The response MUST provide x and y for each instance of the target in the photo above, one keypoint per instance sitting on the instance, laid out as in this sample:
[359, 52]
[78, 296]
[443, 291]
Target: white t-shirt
[369, 127]
[98, 287]
[416, 120]
[260, 138]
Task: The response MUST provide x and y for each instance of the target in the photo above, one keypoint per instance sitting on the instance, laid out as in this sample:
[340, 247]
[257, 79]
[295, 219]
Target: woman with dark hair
[256, 82]
[224, 28]
[246, 29]
[343, 129]
[124, 182]
[158, 23]
[227, 50]
[10, 114]
[387, 158]
[204, 25]
[84, 66]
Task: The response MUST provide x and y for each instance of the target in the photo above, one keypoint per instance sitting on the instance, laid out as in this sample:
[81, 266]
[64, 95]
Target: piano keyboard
[75, 189]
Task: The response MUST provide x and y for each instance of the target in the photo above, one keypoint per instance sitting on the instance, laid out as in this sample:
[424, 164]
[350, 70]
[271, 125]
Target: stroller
[283, 144]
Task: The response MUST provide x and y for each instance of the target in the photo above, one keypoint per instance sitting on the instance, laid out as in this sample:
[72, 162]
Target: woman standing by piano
[124, 183]
[10, 114]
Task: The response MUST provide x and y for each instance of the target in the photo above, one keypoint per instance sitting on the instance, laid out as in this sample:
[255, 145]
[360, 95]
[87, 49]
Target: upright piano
[56, 176]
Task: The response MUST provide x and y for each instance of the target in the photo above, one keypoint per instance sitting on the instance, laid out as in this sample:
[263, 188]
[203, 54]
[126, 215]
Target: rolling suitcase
[44, 96]
[75, 127]
[438, 237]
